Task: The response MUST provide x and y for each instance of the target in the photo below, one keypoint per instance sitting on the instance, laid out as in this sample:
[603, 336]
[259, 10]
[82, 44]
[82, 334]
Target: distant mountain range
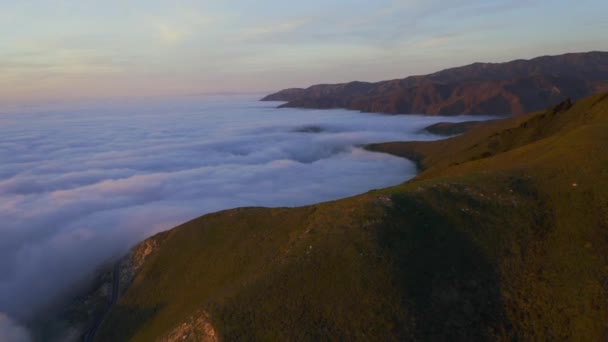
[515, 87]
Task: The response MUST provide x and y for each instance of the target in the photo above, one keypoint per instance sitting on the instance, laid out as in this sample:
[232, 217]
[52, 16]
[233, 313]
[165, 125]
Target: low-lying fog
[80, 184]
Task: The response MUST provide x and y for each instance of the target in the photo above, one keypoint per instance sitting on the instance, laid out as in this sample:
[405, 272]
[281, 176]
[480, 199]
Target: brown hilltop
[515, 87]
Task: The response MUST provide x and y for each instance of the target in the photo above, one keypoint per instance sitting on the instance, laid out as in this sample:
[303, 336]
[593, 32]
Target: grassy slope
[452, 128]
[491, 241]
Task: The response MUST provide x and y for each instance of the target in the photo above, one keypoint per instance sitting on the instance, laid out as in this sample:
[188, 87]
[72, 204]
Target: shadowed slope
[452, 128]
[504, 235]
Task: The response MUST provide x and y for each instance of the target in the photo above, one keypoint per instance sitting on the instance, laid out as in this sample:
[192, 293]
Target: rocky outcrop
[132, 263]
[78, 319]
[515, 87]
[196, 329]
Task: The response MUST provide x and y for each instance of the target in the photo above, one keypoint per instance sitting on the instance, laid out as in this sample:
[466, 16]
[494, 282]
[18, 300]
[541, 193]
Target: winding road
[89, 335]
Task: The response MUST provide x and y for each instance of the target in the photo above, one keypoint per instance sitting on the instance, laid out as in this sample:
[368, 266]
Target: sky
[74, 49]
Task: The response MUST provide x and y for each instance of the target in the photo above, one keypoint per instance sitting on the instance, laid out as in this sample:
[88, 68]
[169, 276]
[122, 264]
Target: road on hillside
[89, 335]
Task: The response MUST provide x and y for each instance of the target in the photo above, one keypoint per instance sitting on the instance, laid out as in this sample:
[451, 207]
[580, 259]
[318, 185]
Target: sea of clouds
[81, 183]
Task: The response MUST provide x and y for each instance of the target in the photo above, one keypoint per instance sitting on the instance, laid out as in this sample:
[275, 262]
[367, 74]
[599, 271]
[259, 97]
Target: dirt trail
[89, 335]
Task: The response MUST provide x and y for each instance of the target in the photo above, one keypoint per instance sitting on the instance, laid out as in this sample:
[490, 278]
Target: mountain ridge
[502, 236]
[515, 87]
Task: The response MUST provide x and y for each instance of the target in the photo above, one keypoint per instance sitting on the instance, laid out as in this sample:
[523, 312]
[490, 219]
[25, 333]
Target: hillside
[452, 128]
[515, 87]
[502, 236]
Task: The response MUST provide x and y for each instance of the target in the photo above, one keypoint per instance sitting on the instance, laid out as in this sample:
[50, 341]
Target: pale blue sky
[82, 48]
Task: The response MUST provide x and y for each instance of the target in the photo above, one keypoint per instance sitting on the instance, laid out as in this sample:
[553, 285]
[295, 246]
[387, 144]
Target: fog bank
[81, 183]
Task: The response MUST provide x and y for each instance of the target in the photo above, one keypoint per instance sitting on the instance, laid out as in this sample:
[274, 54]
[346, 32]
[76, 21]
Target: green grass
[492, 241]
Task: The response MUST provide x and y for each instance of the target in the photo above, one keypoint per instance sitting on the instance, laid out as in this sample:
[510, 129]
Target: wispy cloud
[59, 58]
[434, 42]
[171, 34]
[266, 30]
[184, 24]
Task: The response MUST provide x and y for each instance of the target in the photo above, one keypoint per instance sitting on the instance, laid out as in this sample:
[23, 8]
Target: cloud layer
[11, 332]
[80, 184]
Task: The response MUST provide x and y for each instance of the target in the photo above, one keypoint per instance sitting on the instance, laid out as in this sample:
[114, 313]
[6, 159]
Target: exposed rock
[131, 264]
[196, 329]
[75, 319]
[384, 200]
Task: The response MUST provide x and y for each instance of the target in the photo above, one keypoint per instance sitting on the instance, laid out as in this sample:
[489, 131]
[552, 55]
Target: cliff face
[515, 87]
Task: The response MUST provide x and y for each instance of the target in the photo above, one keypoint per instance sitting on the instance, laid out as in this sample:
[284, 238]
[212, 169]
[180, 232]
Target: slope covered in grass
[452, 128]
[503, 235]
